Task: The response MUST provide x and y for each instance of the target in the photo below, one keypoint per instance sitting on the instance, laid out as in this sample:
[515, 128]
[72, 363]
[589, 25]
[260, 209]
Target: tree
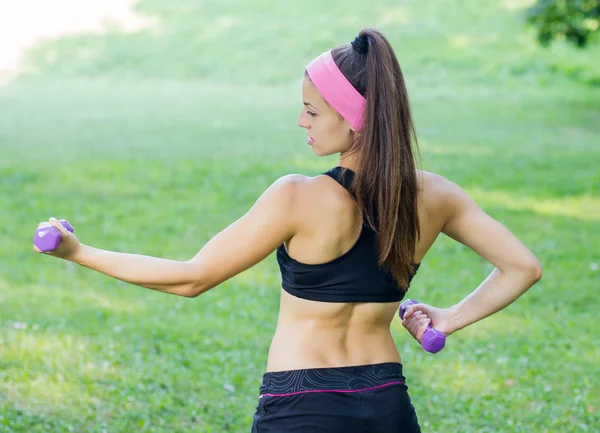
[575, 20]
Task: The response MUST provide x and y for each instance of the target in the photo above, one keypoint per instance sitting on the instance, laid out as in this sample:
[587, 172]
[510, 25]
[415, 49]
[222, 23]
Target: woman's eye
[311, 114]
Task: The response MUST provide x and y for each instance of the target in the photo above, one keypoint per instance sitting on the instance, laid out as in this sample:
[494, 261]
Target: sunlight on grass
[578, 207]
[30, 346]
[52, 389]
[513, 5]
[4, 289]
[460, 41]
[61, 300]
[460, 375]
[446, 149]
[220, 27]
[263, 273]
[24, 23]
[395, 15]
[501, 323]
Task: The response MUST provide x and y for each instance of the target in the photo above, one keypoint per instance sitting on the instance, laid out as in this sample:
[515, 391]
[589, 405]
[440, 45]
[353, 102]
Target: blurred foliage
[575, 20]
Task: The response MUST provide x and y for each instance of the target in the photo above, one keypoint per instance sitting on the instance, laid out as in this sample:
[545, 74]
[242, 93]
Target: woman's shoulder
[309, 191]
[302, 183]
[437, 192]
[429, 183]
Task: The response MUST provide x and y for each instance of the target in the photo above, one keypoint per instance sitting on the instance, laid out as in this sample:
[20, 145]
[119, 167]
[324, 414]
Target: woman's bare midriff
[322, 334]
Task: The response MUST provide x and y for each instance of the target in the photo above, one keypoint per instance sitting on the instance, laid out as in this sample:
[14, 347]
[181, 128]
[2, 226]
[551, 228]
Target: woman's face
[328, 132]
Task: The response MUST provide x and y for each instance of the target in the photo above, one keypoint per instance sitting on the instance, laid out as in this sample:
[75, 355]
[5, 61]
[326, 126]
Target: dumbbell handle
[48, 237]
[433, 340]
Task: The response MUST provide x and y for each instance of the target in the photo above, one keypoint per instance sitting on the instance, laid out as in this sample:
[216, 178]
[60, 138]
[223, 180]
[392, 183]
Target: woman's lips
[310, 141]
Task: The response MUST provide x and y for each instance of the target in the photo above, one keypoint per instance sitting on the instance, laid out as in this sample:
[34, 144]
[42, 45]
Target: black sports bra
[352, 277]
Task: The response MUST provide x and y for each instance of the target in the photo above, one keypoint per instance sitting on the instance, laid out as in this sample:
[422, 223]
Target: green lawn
[152, 142]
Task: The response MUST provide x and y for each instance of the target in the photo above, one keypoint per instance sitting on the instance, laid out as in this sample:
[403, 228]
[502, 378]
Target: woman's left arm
[516, 268]
[271, 221]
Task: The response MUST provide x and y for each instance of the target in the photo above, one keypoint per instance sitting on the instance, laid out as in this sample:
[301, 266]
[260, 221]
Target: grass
[152, 142]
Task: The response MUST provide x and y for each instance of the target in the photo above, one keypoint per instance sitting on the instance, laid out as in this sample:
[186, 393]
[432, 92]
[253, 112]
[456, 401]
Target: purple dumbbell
[48, 237]
[433, 340]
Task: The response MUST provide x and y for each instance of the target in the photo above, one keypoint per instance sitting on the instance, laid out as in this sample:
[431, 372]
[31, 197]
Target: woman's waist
[301, 347]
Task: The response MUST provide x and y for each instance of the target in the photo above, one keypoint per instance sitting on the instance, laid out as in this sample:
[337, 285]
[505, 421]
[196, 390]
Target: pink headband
[337, 90]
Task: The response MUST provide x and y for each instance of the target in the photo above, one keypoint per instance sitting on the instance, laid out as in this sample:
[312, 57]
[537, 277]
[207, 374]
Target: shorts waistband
[338, 379]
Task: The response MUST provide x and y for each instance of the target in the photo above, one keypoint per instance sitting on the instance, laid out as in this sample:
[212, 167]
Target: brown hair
[385, 184]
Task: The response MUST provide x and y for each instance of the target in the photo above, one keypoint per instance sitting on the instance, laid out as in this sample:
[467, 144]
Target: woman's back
[312, 334]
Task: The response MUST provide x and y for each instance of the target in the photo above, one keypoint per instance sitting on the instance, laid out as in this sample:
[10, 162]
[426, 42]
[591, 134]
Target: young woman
[348, 243]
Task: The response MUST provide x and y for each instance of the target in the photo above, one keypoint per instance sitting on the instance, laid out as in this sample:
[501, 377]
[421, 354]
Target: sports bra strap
[344, 179]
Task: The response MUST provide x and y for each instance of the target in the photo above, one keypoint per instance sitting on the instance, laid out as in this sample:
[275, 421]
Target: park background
[152, 125]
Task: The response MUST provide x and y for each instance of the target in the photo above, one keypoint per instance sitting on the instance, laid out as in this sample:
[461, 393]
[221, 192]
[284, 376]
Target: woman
[348, 243]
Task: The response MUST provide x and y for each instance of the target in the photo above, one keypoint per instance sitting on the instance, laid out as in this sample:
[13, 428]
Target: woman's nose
[302, 122]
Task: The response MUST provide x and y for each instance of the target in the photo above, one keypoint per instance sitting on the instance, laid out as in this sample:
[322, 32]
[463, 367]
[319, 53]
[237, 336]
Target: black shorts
[362, 399]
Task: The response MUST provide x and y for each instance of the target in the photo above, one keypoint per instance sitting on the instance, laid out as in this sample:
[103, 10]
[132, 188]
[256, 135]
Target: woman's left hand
[419, 316]
[68, 247]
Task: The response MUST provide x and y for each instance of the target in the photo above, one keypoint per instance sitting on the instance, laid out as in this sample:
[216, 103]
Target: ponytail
[386, 183]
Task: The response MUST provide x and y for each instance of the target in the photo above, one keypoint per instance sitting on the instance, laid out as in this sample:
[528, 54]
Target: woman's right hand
[69, 245]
